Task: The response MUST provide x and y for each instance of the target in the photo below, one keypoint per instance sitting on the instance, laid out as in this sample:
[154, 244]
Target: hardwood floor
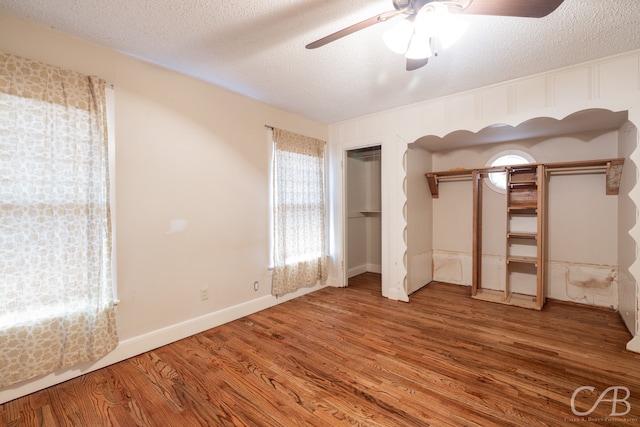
[350, 357]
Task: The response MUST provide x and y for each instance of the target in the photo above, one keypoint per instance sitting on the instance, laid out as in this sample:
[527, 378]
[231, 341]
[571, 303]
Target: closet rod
[454, 178]
[577, 168]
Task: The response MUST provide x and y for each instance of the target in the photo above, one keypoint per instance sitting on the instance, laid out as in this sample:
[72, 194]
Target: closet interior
[363, 200]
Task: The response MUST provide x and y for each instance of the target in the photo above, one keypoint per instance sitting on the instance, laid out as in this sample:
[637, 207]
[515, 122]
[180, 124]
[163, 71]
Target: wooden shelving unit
[525, 195]
[525, 224]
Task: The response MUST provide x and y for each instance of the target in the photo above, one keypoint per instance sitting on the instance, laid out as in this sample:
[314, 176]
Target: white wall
[627, 218]
[607, 83]
[191, 194]
[419, 232]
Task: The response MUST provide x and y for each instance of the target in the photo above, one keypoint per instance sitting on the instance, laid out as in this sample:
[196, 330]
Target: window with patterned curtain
[299, 254]
[56, 303]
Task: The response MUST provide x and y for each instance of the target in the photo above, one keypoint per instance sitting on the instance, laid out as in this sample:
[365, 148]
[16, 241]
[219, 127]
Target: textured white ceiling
[256, 47]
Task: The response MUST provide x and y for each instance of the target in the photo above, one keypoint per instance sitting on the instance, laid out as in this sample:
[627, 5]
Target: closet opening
[363, 251]
[588, 248]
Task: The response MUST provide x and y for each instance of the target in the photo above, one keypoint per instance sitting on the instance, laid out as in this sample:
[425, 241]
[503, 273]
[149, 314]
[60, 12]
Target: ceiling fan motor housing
[410, 6]
[401, 4]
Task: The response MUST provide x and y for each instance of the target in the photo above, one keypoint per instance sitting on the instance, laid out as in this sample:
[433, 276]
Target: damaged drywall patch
[589, 284]
[587, 281]
[452, 267]
[448, 270]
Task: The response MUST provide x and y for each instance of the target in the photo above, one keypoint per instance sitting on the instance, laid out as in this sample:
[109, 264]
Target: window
[298, 200]
[498, 180]
[55, 229]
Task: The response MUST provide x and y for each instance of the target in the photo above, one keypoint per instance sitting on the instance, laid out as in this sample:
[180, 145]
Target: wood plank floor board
[276, 381]
[229, 390]
[126, 395]
[327, 380]
[348, 357]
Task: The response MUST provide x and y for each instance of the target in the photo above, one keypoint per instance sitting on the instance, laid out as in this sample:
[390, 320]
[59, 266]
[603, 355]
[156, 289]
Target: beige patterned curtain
[299, 212]
[56, 296]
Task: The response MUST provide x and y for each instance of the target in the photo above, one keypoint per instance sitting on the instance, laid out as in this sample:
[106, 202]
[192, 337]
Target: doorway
[363, 201]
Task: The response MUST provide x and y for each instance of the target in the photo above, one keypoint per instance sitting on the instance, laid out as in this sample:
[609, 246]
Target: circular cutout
[498, 180]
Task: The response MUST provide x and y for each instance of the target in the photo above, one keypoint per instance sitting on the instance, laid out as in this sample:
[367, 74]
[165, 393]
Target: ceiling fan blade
[414, 64]
[353, 28]
[520, 8]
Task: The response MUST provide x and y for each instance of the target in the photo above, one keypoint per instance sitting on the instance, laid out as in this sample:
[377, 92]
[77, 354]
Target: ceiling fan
[427, 26]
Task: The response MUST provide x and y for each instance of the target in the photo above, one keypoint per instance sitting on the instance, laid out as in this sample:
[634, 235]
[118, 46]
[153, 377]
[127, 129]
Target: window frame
[111, 149]
[270, 195]
[494, 161]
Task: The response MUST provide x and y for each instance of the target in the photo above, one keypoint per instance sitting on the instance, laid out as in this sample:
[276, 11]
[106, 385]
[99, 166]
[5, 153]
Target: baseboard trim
[634, 344]
[354, 271]
[146, 342]
[364, 268]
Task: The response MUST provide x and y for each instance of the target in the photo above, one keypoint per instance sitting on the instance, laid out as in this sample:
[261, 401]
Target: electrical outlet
[204, 294]
[256, 286]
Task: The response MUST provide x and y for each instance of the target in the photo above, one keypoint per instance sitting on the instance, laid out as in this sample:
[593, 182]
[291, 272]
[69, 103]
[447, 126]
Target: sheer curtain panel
[56, 304]
[299, 254]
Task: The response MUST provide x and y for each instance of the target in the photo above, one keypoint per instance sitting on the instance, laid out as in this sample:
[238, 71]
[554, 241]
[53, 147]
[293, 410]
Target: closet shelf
[611, 167]
[522, 260]
[523, 209]
[522, 235]
[520, 300]
[516, 185]
[364, 213]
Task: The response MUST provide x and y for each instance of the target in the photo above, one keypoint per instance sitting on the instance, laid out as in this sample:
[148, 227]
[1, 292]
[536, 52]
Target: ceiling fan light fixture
[452, 32]
[430, 18]
[398, 37]
[419, 47]
[414, 36]
[435, 21]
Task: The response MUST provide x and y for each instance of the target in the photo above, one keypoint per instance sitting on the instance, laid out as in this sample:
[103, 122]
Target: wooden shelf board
[522, 260]
[527, 168]
[524, 182]
[518, 300]
[363, 214]
[490, 295]
[523, 209]
[522, 300]
[522, 235]
[584, 164]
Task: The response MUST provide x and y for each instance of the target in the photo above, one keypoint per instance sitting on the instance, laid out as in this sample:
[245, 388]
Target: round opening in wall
[498, 180]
